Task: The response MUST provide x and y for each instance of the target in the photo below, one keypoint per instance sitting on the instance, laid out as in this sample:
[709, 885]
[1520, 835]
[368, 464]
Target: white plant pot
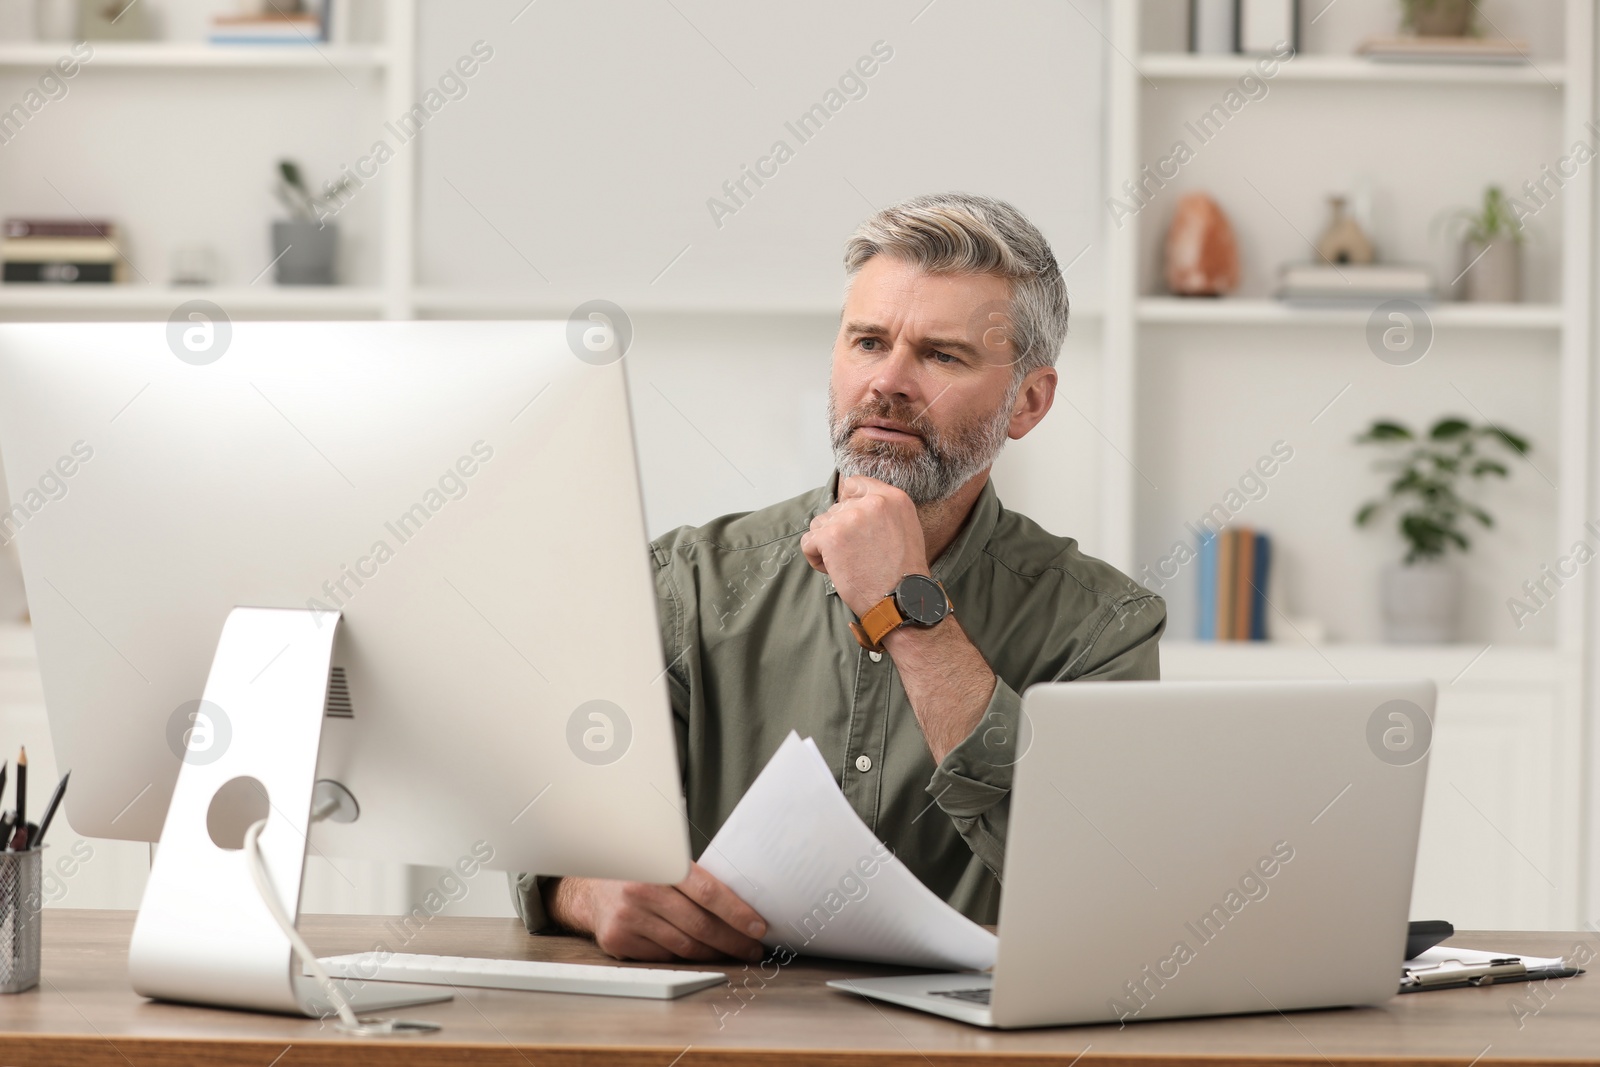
[1494, 275]
[1420, 603]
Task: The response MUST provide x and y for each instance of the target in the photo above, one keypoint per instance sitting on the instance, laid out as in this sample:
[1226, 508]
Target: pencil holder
[20, 904]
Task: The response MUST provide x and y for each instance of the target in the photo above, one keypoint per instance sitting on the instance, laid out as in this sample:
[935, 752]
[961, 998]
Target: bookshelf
[1244, 312]
[110, 55]
[356, 301]
[1176, 370]
[1179, 66]
[1450, 665]
[338, 88]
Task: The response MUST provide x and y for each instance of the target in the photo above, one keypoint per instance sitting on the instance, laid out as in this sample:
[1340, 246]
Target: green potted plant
[1437, 18]
[305, 246]
[1421, 593]
[1491, 250]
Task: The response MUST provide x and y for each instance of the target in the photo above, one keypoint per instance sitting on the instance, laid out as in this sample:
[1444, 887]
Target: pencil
[22, 790]
[50, 811]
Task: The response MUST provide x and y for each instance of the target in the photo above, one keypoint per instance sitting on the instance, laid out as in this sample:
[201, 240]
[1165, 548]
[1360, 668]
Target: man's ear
[1033, 402]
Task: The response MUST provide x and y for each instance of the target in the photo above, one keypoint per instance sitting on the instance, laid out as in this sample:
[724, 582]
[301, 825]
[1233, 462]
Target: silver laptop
[1205, 848]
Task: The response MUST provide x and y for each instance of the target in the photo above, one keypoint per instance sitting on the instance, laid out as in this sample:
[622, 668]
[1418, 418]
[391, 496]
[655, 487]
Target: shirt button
[875, 656]
[863, 763]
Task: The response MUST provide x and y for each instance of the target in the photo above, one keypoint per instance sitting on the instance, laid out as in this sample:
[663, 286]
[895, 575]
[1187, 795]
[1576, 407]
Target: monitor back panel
[464, 493]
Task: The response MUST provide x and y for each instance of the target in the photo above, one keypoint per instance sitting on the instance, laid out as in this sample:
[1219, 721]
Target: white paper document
[796, 852]
[1473, 957]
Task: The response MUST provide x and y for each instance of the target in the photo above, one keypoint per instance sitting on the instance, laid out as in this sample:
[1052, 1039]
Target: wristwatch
[917, 601]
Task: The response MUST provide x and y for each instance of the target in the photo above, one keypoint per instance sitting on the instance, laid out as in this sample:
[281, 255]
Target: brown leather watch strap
[876, 624]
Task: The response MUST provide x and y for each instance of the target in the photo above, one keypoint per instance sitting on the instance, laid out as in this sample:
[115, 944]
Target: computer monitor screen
[466, 495]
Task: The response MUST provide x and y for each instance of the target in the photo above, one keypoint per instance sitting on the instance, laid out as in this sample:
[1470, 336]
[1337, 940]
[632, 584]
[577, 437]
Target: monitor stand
[203, 935]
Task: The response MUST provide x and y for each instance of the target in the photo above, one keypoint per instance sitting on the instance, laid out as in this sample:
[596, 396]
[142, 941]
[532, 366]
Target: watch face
[920, 600]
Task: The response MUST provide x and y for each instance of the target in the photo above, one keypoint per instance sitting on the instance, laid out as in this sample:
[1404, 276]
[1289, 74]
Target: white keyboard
[534, 975]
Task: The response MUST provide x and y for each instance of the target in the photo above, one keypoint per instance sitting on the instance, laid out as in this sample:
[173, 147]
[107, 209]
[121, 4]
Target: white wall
[594, 138]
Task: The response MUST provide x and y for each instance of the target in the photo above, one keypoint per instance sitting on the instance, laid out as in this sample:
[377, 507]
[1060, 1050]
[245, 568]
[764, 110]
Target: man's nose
[897, 375]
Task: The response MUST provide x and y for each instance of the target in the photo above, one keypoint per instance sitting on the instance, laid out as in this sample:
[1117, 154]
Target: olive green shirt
[758, 643]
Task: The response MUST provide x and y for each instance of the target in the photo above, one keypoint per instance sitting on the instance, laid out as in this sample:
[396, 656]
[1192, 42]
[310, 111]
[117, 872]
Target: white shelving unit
[175, 56]
[382, 71]
[1507, 714]
[1183, 66]
[263, 297]
[1243, 312]
[1451, 665]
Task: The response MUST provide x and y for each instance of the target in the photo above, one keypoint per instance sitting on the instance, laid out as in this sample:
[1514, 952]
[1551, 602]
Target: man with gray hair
[895, 614]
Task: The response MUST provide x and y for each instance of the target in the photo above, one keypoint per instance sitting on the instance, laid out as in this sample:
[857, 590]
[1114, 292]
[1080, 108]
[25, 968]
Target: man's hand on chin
[866, 542]
[697, 919]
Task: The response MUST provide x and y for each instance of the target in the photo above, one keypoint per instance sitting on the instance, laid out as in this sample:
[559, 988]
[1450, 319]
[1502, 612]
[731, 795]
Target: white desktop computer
[383, 585]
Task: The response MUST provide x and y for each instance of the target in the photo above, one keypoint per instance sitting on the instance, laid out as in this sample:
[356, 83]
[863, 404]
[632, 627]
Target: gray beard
[928, 474]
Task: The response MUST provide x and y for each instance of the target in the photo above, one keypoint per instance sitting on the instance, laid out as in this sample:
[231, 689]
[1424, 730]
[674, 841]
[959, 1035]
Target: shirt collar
[959, 554]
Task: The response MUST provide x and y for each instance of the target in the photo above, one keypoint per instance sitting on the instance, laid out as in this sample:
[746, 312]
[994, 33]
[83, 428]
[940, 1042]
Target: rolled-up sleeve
[972, 784]
[527, 898]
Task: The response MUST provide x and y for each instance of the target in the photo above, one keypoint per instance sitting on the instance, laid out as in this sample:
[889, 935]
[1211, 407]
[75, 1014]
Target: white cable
[269, 897]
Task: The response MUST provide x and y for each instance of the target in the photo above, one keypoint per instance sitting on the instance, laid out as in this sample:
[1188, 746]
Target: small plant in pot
[1491, 250]
[1421, 594]
[305, 246]
[1437, 18]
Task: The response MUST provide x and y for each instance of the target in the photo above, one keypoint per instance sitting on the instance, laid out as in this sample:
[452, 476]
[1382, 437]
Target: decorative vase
[1441, 18]
[113, 20]
[1344, 241]
[1420, 603]
[1202, 256]
[1495, 274]
[306, 252]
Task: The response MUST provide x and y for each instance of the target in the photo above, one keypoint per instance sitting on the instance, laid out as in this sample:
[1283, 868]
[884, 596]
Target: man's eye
[944, 357]
[868, 343]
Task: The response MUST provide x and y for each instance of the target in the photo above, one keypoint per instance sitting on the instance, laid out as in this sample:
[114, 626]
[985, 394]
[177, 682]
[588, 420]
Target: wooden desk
[85, 1013]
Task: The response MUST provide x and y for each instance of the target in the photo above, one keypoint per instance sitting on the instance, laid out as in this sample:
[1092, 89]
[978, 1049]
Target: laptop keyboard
[971, 996]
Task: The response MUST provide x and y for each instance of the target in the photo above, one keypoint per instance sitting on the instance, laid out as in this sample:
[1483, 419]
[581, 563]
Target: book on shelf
[1268, 25]
[1258, 601]
[1244, 573]
[1413, 49]
[1221, 611]
[1206, 625]
[23, 227]
[1213, 26]
[1235, 566]
[1364, 283]
[271, 27]
[59, 252]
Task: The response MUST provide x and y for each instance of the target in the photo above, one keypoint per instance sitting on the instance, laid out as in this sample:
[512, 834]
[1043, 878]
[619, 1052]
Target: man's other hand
[697, 919]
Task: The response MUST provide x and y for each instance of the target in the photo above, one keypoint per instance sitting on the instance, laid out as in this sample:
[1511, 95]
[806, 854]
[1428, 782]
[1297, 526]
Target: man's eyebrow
[952, 344]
